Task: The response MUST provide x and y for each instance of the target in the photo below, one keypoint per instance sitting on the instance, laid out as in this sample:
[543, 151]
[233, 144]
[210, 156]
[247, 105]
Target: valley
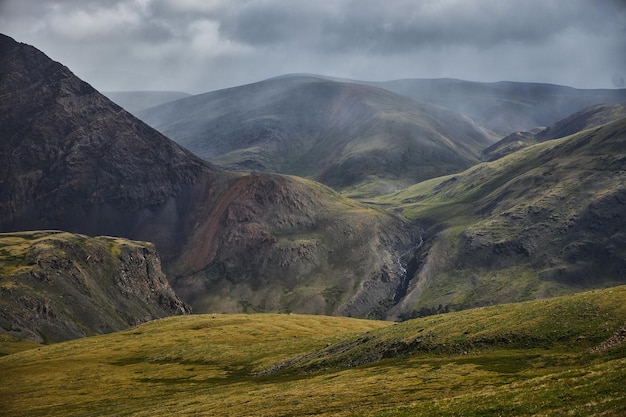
[411, 247]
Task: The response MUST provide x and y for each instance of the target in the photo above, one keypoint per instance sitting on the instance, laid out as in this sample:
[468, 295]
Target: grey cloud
[196, 45]
[401, 25]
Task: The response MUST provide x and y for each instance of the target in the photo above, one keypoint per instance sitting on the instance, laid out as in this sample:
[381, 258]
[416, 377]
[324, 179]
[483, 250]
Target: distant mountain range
[361, 140]
[345, 135]
[505, 107]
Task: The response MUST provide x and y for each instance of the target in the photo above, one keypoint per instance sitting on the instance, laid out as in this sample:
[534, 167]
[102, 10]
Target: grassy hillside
[548, 357]
[276, 243]
[546, 220]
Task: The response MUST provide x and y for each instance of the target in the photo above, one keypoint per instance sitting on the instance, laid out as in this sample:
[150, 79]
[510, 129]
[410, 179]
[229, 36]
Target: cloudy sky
[203, 45]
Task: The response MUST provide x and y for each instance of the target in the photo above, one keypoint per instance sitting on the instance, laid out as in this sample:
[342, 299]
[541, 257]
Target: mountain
[58, 286]
[542, 221]
[342, 134]
[136, 101]
[70, 159]
[587, 118]
[562, 356]
[504, 107]
[277, 243]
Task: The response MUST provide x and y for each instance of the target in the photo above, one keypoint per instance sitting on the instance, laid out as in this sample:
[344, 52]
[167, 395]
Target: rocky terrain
[57, 286]
[277, 243]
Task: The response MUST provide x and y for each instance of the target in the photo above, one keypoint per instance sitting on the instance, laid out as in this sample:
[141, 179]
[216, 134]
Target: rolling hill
[542, 221]
[342, 134]
[72, 160]
[504, 107]
[563, 356]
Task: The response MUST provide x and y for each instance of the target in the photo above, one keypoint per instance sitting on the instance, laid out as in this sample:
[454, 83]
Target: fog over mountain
[198, 46]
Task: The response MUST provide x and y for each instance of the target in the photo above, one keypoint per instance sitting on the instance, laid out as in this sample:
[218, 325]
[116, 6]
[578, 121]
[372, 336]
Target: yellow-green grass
[170, 366]
[533, 358]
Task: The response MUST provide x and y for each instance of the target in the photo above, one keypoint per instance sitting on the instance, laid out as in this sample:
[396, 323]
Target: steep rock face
[72, 160]
[58, 286]
[341, 134]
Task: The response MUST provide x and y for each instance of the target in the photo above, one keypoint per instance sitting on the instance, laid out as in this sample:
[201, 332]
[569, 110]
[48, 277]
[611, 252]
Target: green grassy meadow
[561, 356]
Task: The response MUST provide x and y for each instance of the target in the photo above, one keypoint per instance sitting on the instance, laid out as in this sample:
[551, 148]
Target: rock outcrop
[58, 286]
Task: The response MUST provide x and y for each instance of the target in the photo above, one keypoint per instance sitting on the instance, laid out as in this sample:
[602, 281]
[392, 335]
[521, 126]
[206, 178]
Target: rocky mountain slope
[72, 160]
[504, 107]
[342, 134]
[542, 221]
[57, 286]
[276, 243]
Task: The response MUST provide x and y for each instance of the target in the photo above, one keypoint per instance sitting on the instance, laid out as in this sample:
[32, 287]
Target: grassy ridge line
[525, 359]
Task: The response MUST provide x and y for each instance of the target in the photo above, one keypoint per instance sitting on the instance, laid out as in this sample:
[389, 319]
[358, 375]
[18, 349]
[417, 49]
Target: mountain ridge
[586, 118]
[136, 101]
[505, 107]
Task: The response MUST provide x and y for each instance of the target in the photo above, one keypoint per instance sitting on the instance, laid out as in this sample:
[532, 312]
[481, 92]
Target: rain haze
[202, 45]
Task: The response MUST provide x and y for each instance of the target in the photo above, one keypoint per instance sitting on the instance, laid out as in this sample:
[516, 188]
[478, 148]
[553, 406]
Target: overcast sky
[203, 45]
